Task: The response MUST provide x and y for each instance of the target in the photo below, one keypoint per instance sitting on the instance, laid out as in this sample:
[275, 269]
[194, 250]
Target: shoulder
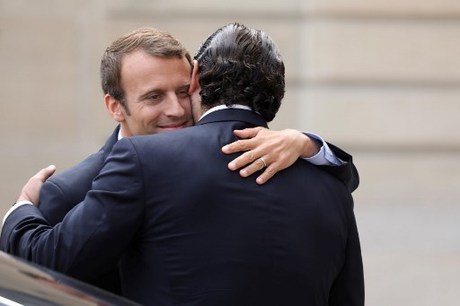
[320, 184]
[86, 169]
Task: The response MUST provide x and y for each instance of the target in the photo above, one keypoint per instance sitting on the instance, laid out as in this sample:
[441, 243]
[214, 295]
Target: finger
[235, 147]
[45, 173]
[250, 140]
[242, 145]
[268, 173]
[255, 166]
[31, 190]
[248, 132]
[242, 160]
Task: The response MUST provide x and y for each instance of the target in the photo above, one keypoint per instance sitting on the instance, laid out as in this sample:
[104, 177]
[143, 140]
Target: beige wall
[380, 78]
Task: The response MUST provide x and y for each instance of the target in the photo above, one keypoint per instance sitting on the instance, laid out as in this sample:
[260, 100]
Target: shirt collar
[220, 107]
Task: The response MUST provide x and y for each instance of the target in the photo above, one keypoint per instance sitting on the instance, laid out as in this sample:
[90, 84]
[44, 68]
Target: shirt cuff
[14, 207]
[325, 156]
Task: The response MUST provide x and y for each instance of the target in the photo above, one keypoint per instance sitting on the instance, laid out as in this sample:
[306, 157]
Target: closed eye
[152, 98]
[182, 92]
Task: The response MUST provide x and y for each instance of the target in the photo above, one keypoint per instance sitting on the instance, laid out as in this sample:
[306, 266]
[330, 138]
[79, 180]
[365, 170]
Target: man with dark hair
[185, 229]
[145, 76]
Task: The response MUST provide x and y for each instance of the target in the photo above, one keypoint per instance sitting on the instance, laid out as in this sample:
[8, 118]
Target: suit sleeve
[53, 203]
[347, 172]
[348, 288]
[64, 191]
[92, 236]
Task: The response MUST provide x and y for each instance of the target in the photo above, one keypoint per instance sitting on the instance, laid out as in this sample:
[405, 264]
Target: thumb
[31, 190]
[45, 173]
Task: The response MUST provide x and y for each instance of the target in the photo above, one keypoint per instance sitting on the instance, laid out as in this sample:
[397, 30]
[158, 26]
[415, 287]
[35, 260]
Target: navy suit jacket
[61, 192]
[190, 232]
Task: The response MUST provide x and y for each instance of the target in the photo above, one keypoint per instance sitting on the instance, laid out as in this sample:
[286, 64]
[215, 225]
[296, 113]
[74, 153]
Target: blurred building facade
[379, 78]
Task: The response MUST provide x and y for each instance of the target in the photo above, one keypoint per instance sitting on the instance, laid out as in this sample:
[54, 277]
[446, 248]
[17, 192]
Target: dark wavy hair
[240, 65]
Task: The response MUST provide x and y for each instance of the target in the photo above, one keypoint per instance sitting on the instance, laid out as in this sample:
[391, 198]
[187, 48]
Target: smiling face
[156, 94]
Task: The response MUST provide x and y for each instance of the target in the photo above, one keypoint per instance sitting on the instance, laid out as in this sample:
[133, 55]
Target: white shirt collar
[219, 107]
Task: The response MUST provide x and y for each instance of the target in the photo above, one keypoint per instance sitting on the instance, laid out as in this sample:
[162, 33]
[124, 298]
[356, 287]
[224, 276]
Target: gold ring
[263, 161]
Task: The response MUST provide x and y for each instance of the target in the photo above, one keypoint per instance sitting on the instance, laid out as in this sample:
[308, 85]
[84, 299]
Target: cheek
[145, 116]
[186, 103]
[151, 115]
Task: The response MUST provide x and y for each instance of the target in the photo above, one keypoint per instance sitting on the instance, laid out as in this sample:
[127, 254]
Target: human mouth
[171, 127]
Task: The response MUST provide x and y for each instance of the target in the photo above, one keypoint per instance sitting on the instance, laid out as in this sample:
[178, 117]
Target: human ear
[114, 108]
[195, 81]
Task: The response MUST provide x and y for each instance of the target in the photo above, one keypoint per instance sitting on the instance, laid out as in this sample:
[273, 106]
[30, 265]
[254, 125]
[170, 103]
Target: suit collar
[107, 148]
[232, 114]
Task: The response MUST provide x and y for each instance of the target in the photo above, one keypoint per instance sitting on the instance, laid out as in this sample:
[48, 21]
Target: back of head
[150, 40]
[240, 65]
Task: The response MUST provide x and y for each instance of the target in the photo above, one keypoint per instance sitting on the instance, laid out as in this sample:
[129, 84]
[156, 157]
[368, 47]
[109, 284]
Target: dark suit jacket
[61, 192]
[190, 232]
[347, 172]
